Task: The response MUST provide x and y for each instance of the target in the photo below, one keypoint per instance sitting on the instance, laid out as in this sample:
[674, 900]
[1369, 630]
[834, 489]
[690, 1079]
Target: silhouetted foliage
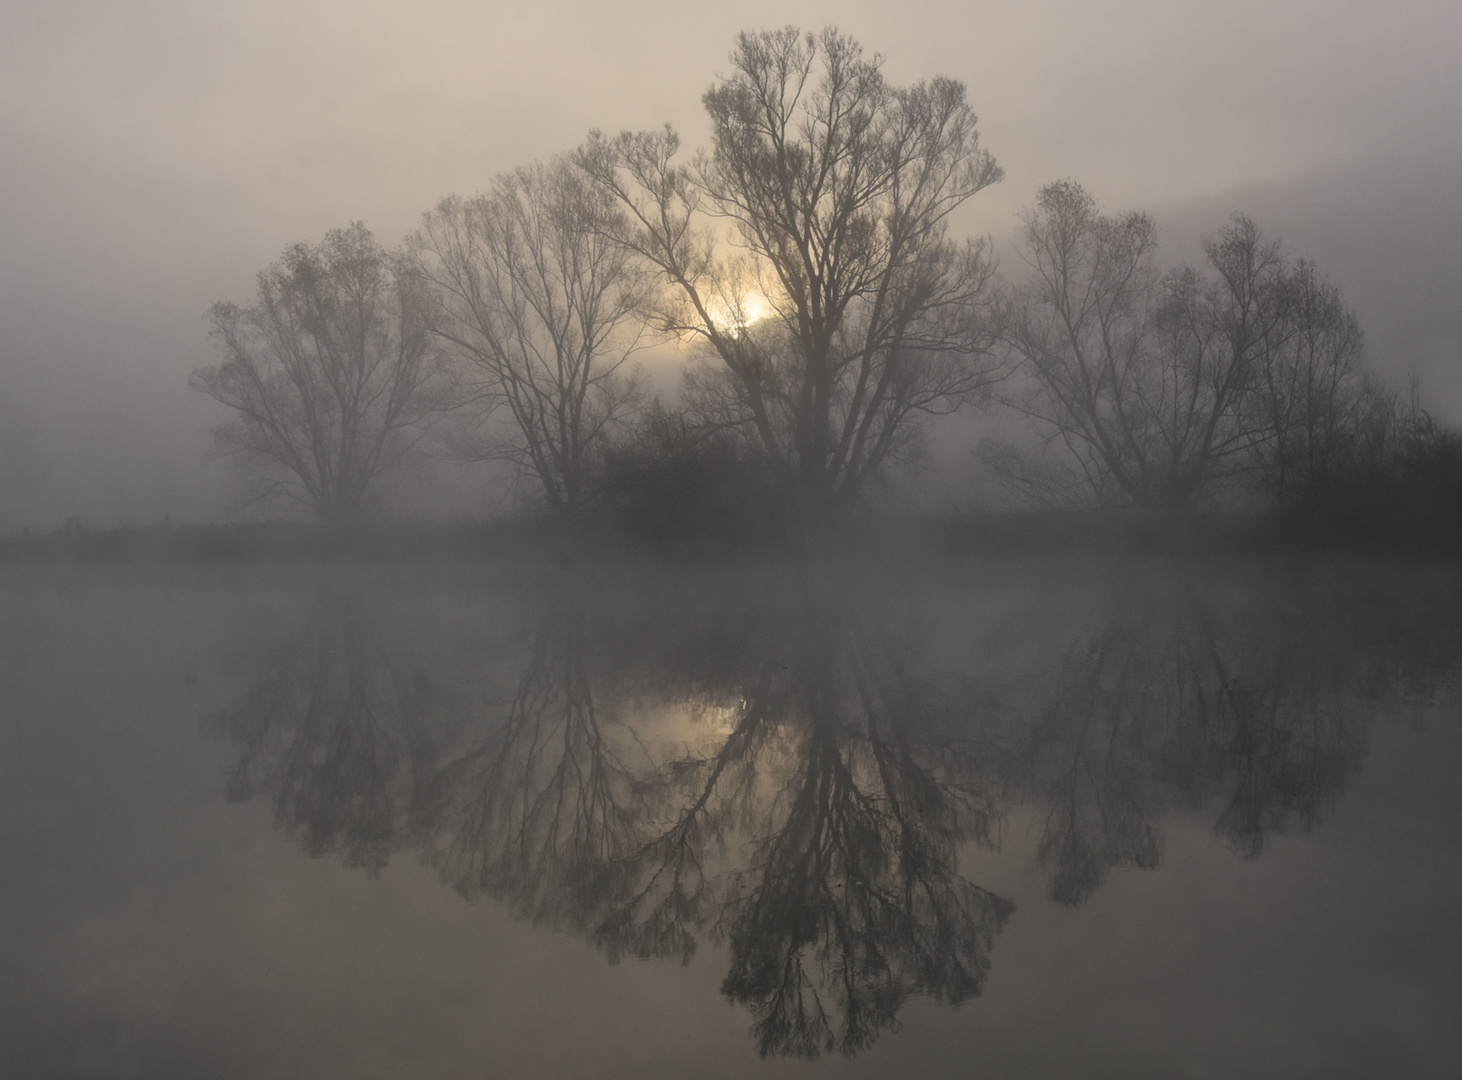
[1319, 411]
[805, 258]
[673, 483]
[1400, 492]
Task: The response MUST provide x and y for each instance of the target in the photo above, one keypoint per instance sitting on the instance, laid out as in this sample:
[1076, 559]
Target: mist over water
[644, 541]
[1105, 816]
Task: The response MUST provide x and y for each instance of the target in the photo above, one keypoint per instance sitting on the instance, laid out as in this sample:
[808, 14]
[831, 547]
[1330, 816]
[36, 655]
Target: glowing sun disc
[732, 317]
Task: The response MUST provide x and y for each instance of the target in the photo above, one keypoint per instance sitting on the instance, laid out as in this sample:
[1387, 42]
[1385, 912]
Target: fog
[1131, 817]
[158, 155]
[1015, 658]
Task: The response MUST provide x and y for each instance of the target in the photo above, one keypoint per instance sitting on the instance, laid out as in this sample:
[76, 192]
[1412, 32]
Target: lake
[1098, 817]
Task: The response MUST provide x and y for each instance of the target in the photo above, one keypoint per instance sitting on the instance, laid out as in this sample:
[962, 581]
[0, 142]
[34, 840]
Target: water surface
[1015, 818]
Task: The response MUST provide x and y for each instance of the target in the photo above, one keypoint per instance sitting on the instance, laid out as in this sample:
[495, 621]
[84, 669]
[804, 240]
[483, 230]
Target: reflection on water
[341, 732]
[1168, 705]
[796, 776]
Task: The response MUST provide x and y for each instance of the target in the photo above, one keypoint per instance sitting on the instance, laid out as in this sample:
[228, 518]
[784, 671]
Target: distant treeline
[1389, 521]
[805, 264]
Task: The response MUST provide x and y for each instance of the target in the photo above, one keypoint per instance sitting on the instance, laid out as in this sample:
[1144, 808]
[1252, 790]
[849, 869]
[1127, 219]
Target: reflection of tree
[780, 779]
[849, 900]
[669, 891]
[1088, 760]
[1166, 707]
[545, 804]
[1293, 741]
[338, 733]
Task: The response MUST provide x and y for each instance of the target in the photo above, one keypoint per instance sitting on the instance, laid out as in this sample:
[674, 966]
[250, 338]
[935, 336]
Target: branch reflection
[1165, 708]
[849, 900]
[341, 733]
[791, 781]
[813, 828]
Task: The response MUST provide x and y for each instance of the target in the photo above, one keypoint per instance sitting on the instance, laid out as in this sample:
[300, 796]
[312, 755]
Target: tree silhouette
[847, 313]
[542, 309]
[1154, 387]
[331, 373]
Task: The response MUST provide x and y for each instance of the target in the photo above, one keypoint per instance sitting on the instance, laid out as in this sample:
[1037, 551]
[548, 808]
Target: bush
[672, 483]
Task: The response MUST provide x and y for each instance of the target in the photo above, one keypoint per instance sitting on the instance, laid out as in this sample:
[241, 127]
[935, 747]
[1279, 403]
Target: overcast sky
[154, 156]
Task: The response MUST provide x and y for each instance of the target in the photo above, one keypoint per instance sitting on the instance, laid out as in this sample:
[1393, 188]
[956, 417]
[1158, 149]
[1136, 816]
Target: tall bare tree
[1142, 377]
[1156, 387]
[540, 304]
[331, 372]
[838, 190]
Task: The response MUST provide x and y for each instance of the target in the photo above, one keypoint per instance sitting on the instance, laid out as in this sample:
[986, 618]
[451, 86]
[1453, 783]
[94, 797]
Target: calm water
[1006, 819]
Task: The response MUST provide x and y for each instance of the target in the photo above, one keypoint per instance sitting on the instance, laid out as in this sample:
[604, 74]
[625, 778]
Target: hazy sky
[155, 155]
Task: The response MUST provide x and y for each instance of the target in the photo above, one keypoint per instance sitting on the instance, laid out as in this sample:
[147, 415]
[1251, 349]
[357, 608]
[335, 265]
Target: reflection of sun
[670, 730]
[735, 315]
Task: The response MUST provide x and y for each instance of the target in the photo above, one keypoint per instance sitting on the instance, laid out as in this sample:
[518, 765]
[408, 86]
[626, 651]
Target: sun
[733, 316]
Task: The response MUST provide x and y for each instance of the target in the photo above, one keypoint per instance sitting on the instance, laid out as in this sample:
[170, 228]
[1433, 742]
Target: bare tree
[847, 313]
[1315, 402]
[331, 372]
[1155, 387]
[1142, 377]
[540, 304]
